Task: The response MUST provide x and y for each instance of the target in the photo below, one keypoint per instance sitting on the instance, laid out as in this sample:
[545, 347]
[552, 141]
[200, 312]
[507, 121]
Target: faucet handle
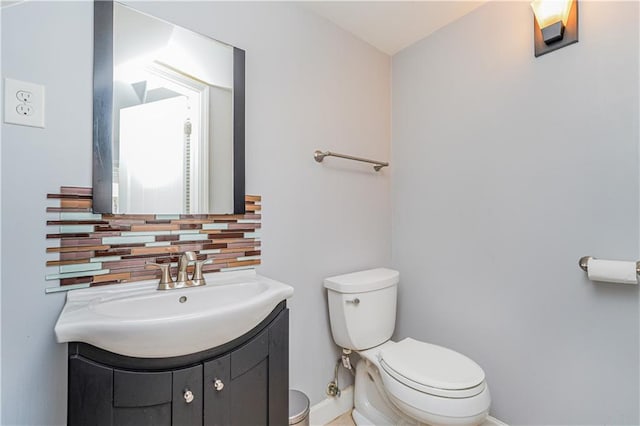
[198, 279]
[166, 282]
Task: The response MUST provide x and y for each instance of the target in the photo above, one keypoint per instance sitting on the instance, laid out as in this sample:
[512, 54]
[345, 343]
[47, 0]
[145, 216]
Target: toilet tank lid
[363, 281]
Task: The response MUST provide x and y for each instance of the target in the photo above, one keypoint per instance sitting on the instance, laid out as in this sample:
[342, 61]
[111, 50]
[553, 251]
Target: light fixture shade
[555, 25]
[549, 12]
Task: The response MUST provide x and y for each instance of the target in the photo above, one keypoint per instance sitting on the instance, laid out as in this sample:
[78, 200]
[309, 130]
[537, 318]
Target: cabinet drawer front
[141, 389]
[250, 355]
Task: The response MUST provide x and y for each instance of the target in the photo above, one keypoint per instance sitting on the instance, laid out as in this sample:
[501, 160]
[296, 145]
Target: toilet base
[371, 406]
[360, 420]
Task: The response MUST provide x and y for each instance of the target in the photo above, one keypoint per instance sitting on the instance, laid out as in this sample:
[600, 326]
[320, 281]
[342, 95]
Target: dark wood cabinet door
[279, 370]
[141, 398]
[242, 400]
[155, 415]
[250, 396]
[217, 398]
[89, 394]
[187, 397]
[249, 386]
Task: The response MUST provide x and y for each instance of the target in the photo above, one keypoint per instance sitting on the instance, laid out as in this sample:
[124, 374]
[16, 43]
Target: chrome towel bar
[319, 156]
[584, 264]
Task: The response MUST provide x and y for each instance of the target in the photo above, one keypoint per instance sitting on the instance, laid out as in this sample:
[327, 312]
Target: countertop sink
[139, 321]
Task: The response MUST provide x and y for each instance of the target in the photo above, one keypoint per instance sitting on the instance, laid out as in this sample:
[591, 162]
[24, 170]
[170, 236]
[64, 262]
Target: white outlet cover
[16, 110]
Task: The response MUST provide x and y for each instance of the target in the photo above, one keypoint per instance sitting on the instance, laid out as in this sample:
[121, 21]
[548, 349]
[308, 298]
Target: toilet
[400, 383]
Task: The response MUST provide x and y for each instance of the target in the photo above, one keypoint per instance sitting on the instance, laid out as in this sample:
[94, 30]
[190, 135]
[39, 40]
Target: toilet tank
[362, 307]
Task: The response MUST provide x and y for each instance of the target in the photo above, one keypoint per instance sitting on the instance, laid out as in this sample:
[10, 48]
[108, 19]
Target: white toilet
[404, 383]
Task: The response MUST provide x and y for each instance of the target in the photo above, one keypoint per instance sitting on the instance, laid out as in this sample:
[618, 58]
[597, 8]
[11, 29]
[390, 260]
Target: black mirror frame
[103, 114]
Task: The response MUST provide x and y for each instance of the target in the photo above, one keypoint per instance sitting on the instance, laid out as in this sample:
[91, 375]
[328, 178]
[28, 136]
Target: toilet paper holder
[584, 264]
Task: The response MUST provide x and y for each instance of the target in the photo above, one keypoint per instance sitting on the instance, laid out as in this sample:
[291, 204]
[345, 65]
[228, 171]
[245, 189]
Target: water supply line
[333, 389]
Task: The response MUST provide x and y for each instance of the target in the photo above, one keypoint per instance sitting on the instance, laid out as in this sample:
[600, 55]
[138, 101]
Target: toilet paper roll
[612, 271]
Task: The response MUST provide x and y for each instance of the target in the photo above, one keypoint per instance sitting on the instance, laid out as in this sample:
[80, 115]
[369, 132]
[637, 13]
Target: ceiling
[390, 26]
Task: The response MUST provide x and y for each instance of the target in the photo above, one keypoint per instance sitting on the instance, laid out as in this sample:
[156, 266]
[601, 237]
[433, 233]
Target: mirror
[168, 122]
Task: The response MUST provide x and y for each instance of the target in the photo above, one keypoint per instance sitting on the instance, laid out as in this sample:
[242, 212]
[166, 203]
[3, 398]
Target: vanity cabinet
[244, 382]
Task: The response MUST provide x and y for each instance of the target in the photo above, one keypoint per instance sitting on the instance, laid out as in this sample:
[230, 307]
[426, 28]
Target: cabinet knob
[217, 383]
[188, 396]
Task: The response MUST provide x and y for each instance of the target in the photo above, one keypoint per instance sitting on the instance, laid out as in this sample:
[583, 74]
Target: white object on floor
[331, 407]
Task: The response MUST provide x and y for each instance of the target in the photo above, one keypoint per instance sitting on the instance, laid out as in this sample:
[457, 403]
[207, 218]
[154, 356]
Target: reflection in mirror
[177, 105]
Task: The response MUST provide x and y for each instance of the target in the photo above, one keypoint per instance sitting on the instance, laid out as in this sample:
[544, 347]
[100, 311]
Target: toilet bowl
[400, 383]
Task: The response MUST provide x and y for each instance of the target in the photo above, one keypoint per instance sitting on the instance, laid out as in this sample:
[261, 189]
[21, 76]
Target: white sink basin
[138, 320]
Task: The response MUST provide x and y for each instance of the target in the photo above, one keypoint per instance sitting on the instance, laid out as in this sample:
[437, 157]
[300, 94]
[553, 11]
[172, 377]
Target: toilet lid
[431, 365]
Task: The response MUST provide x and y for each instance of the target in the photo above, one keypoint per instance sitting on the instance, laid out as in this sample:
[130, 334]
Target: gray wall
[49, 44]
[309, 86]
[505, 170]
[1, 249]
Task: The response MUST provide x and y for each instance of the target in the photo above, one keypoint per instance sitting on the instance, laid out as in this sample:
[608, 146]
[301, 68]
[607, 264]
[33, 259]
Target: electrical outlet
[23, 103]
[24, 109]
[24, 96]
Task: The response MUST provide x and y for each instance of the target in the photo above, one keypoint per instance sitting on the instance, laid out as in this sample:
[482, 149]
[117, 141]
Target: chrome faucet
[182, 279]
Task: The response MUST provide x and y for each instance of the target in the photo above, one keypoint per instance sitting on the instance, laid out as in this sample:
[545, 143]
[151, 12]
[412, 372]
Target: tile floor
[343, 420]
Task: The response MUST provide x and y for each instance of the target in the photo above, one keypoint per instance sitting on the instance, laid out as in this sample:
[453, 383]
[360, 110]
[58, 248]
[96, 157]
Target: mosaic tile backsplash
[98, 249]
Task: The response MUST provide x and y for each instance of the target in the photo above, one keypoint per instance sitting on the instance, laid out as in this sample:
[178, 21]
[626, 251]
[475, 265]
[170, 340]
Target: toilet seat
[432, 369]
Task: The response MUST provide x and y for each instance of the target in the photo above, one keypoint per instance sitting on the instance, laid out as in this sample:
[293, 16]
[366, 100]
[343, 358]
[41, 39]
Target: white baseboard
[331, 407]
[492, 421]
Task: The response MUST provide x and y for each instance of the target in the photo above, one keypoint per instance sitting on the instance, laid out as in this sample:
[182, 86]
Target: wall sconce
[555, 24]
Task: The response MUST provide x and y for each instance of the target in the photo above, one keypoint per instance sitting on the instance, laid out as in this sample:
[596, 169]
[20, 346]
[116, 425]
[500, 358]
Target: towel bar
[319, 156]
